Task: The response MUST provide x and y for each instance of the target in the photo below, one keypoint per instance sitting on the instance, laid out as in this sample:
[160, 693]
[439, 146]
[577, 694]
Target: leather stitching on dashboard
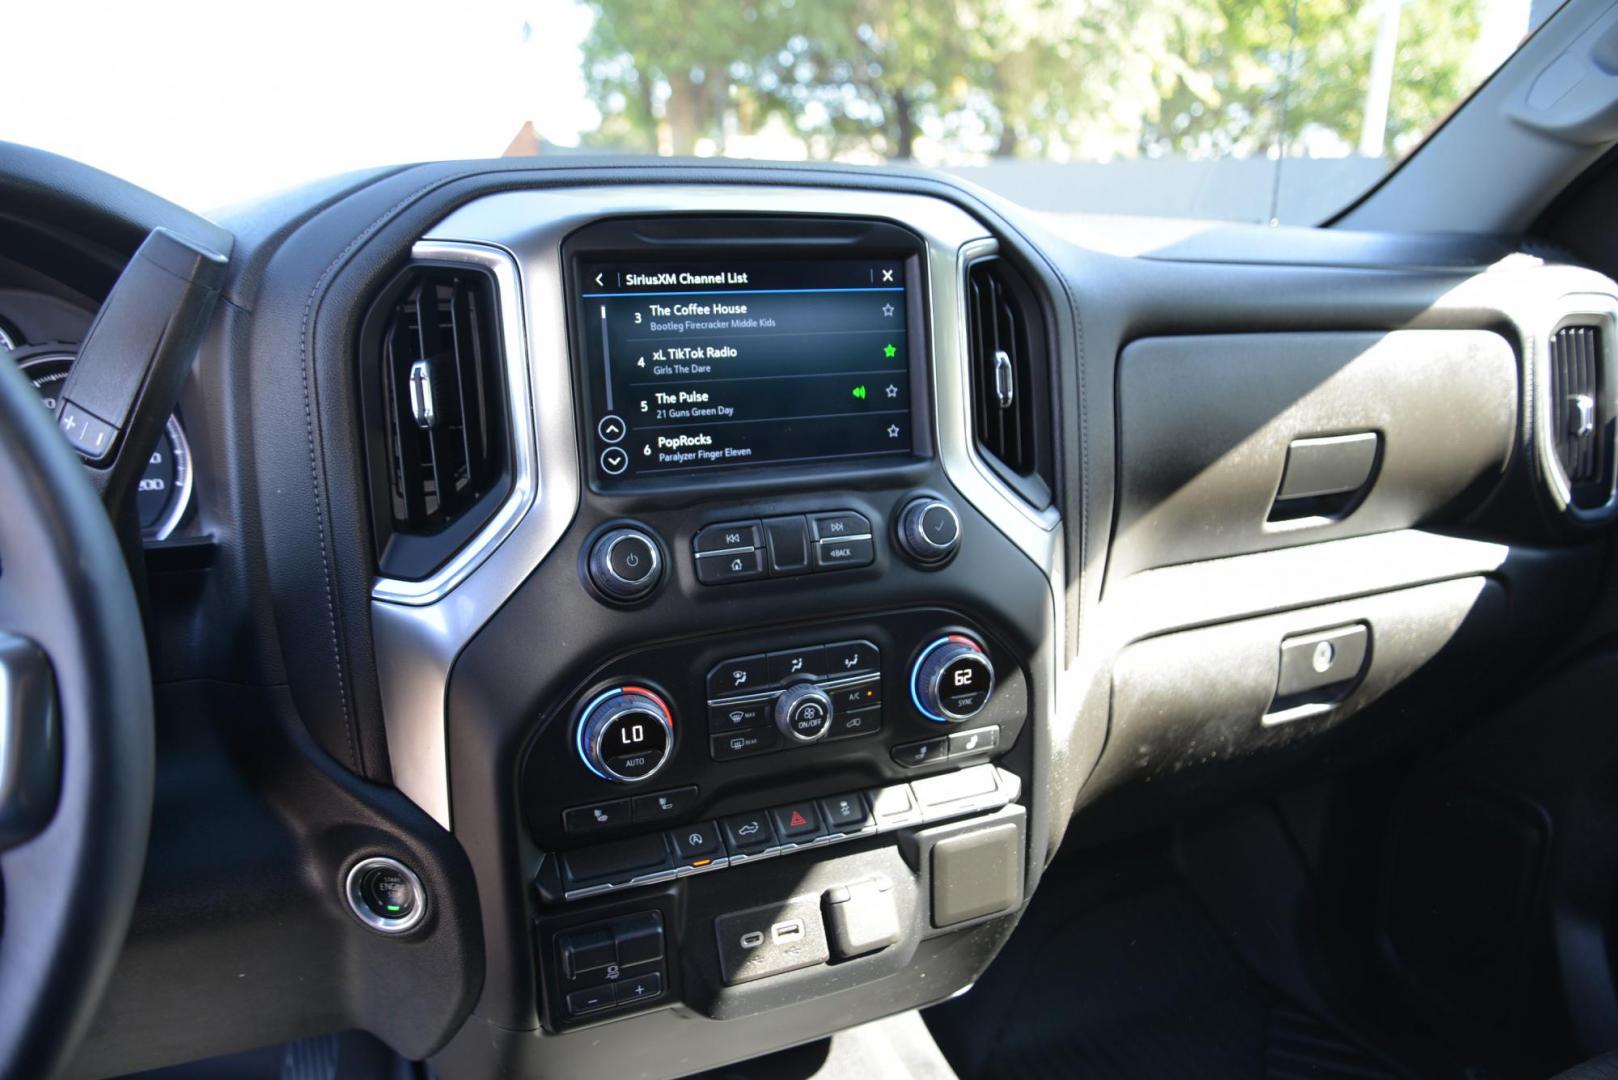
[304, 352]
[325, 561]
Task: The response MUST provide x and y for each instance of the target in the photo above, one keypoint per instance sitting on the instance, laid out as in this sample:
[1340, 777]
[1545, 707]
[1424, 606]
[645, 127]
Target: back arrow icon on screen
[598, 279]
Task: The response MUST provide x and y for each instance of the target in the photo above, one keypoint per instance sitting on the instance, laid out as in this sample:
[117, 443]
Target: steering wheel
[76, 743]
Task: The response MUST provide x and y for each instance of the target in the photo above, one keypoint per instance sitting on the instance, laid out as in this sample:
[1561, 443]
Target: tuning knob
[951, 680]
[803, 713]
[929, 530]
[625, 735]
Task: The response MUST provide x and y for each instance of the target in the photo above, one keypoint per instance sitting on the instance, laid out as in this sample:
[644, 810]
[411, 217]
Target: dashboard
[670, 615]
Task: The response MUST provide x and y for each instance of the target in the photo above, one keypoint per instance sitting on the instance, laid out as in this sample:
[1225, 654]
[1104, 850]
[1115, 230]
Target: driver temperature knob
[952, 680]
[625, 735]
[803, 713]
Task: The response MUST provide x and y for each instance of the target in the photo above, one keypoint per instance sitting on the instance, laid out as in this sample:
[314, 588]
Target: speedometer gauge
[164, 493]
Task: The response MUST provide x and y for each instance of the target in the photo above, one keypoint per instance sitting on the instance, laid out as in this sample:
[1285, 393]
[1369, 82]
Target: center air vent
[1011, 417]
[435, 410]
[1580, 419]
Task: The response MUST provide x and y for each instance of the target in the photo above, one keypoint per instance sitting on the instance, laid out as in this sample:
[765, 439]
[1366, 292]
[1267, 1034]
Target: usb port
[791, 930]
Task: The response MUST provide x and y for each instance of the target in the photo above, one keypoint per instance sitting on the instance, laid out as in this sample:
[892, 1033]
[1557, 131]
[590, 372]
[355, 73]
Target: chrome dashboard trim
[520, 415]
[1600, 311]
[417, 637]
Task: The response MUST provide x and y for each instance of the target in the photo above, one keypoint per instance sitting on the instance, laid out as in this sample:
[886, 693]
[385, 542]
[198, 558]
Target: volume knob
[625, 564]
[952, 680]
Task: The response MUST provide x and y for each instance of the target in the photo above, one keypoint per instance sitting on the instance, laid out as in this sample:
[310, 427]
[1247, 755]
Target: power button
[625, 564]
[386, 895]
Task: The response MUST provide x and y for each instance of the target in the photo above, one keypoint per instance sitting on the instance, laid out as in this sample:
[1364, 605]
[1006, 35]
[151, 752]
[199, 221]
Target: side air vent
[1011, 408]
[435, 409]
[1580, 415]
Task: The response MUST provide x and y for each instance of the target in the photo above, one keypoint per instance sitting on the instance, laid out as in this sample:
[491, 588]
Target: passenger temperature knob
[625, 735]
[952, 680]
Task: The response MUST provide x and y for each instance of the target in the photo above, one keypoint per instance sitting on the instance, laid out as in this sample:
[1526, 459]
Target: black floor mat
[1118, 971]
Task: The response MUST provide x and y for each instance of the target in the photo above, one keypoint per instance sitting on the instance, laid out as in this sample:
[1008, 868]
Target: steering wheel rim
[70, 889]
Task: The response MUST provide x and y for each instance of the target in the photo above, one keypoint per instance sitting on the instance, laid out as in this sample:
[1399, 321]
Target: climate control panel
[851, 705]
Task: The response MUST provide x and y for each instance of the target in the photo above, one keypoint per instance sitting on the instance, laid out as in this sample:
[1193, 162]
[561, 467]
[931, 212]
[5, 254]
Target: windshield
[1236, 110]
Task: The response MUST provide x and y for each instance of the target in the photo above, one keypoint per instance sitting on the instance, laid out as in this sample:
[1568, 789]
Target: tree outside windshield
[1237, 110]
[1180, 107]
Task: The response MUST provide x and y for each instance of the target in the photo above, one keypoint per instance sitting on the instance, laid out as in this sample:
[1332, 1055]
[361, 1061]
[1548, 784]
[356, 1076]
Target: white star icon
[893, 391]
[887, 309]
[893, 431]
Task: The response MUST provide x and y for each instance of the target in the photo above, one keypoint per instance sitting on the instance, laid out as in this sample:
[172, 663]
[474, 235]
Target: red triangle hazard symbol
[797, 820]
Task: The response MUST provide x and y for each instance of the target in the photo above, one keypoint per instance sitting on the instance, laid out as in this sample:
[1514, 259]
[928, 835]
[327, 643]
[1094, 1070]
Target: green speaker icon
[859, 392]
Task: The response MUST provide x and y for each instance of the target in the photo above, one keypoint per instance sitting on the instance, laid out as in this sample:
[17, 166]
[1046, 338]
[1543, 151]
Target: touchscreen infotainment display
[695, 366]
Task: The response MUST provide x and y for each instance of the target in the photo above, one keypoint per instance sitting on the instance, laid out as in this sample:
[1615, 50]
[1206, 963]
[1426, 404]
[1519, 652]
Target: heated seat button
[925, 752]
[662, 805]
[798, 821]
[696, 841]
[748, 833]
[742, 675]
[977, 741]
[588, 819]
[846, 811]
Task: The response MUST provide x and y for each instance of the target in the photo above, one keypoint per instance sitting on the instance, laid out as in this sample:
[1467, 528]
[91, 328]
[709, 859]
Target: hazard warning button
[797, 821]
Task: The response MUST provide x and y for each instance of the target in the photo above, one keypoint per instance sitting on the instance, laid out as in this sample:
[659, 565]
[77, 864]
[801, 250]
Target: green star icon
[889, 351]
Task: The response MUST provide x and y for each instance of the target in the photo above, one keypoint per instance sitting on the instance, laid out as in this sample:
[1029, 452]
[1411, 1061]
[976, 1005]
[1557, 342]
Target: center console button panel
[772, 831]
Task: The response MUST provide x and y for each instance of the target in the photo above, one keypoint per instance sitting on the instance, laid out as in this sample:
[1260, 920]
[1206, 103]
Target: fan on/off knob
[803, 713]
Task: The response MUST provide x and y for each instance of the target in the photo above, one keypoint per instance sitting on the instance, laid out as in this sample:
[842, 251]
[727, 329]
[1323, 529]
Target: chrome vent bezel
[522, 490]
[1601, 313]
